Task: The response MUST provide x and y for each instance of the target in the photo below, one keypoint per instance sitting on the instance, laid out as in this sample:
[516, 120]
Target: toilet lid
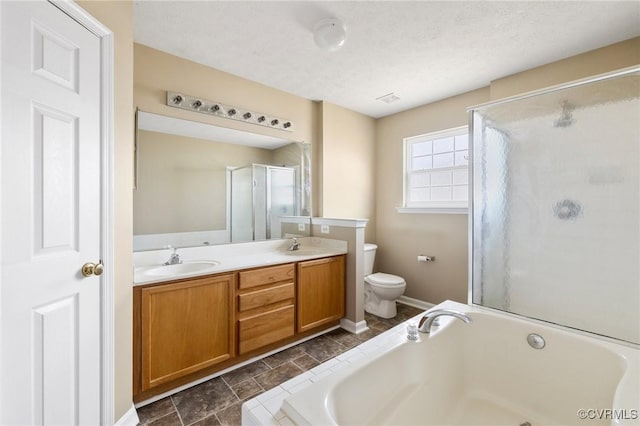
[381, 278]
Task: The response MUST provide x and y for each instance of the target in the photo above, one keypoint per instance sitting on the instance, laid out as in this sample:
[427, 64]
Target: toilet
[380, 290]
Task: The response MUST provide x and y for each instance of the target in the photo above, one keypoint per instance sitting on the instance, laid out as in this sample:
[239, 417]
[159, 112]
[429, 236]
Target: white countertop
[232, 257]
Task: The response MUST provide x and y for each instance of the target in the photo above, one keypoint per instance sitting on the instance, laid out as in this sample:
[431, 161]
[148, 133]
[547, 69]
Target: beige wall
[118, 17]
[347, 180]
[155, 72]
[599, 61]
[401, 237]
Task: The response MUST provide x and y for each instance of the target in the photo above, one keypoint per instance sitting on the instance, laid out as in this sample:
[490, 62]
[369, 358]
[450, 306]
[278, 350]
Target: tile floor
[219, 400]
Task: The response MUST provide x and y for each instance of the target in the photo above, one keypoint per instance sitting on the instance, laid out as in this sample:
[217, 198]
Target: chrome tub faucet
[424, 326]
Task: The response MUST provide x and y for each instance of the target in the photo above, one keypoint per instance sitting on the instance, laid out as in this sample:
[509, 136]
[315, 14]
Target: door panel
[55, 181]
[55, 347]
[50, 217]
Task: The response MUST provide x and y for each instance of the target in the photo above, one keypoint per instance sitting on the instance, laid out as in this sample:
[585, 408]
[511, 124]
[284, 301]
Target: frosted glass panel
[460, 177]
[442, 145]
[462, 142]
[556, 206]
[283, 197]
[462, 158]
[422, 148]
[260, 197]
[441, 178]
[241, 205]
[441, 193]
[420, 194]
[460, 193]
[422, 163]
[443, 160]
[420, 179]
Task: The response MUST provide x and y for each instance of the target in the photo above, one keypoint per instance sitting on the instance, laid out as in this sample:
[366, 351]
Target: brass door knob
[89, 269]
[99, 269]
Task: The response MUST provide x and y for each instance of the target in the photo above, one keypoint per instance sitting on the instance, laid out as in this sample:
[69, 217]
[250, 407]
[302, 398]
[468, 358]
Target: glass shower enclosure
[260, 195]
[555, 219]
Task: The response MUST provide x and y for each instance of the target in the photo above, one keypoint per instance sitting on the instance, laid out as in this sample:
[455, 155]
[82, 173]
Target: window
[436, 177]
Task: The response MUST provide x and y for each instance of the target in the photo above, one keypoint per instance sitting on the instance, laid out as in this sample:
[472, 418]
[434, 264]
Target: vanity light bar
[191, 103]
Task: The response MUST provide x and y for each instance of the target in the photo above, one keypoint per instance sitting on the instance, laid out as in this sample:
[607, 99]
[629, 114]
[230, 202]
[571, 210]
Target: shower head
[566, 116]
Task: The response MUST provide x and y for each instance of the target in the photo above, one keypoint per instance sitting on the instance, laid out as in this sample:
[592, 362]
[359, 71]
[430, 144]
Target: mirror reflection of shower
[260, 195]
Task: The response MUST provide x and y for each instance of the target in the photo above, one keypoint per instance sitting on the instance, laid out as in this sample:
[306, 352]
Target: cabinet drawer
[269, 327]
[262, 276]
[267, 296]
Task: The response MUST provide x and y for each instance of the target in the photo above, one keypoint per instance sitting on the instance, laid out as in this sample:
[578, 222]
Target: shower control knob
[412, 332]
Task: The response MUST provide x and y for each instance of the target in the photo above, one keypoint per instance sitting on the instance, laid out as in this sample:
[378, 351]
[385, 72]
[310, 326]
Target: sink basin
[182, 268]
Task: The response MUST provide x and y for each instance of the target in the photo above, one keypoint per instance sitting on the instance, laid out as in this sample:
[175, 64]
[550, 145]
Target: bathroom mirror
[199, 184]
[556, 201]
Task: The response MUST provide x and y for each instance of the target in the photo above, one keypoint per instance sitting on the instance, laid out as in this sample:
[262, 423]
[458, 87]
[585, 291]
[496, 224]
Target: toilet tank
[369, 258]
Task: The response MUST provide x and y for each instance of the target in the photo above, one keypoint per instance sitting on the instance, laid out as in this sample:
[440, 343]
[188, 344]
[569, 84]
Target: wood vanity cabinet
[185, 326]
[187, 329]
[321, 292]
[266, 306]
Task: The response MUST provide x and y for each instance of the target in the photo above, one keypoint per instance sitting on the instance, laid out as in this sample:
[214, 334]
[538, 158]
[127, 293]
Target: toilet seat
[384, 280]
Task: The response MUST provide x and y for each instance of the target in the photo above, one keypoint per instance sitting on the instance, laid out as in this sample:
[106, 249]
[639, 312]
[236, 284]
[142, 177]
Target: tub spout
[424, 326]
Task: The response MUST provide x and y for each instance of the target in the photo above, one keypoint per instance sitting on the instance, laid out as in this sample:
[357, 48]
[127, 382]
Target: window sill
[433, 210]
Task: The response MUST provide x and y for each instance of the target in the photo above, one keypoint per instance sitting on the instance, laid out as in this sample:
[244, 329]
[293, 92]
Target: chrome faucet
[424, 326]
[174, 259]
[295, 245]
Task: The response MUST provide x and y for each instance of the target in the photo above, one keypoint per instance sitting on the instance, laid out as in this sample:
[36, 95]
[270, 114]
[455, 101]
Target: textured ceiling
[422, 51]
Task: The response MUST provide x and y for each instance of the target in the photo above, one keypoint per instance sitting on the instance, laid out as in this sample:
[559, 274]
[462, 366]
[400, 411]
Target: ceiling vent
[389, 98]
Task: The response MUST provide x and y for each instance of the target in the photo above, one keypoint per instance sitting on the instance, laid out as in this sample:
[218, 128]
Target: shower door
[555, 210]
[260, 195]
[282, 197]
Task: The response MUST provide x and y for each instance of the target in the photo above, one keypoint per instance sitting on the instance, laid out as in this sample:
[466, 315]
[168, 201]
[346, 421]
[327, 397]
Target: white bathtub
[483, 373]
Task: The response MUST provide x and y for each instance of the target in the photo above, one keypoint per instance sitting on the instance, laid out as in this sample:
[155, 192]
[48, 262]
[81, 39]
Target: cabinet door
[186, 326]
[321, 292]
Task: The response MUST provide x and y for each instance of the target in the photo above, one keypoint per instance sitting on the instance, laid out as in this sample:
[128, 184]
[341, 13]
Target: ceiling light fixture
[330, 34]
[204, 106]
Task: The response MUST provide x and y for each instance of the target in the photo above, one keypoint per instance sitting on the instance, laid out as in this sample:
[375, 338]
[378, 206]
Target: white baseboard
[415, 303]
[130, 418]
[352, 327]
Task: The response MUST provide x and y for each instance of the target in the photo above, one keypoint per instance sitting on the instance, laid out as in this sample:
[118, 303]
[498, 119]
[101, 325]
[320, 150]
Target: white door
[51, 217]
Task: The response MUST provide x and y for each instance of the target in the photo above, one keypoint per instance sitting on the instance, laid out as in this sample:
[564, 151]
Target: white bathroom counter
[232, 257]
